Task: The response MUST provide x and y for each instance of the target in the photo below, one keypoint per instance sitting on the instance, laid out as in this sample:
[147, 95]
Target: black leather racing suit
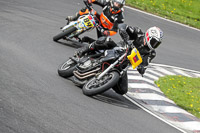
[136, 34]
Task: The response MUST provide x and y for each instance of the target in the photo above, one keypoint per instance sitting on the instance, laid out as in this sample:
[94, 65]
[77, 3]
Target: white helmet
[153, 37]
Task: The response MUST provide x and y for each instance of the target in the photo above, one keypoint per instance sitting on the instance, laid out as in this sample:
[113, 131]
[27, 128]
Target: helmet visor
[154, 43]
[117, 5]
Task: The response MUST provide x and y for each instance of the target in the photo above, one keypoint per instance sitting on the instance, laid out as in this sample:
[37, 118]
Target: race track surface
[34, 99]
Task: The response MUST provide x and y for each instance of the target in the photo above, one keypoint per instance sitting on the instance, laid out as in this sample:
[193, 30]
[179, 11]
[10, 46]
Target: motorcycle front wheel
[66, 69]
[67, 32]
[95, 86]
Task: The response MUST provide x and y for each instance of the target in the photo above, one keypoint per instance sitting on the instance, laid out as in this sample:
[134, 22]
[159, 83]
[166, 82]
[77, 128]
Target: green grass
[184, 91]
[183, 11]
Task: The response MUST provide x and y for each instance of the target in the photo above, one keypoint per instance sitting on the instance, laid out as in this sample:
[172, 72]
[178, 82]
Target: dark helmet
[116, 5]
[153, 37]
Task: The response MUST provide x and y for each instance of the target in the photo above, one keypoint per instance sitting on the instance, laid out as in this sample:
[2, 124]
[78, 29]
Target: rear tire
[65, 33]
[94, 86]
[66, 69]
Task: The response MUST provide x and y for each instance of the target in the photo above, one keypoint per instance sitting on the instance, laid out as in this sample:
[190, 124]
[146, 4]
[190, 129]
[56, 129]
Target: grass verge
[184, 91]
[183, 11]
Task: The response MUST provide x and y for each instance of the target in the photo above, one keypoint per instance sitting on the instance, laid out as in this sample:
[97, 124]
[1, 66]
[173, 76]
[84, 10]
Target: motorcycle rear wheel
[65, 33]
[95, 86]
[66, 69]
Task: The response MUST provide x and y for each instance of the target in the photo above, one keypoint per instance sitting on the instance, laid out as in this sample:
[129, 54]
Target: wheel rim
[93, 84]
[66, 65]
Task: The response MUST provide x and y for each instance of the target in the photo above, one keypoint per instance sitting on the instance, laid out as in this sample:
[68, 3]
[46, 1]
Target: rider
[146, 43]
[111, 16]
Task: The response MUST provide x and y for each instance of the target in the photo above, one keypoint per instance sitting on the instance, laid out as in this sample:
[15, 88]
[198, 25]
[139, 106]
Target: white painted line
[181, 72]
[162, 18]
[140, 85]
[164, 71]
[145, 86]
[162, 65]
[196, 74]
[190, 125]
[140, 78]
[133, 72]
[169, 109]
[130, 68]
[149, 96]
[146, 74]
[154, 114]
[151, 76]
[159, 74]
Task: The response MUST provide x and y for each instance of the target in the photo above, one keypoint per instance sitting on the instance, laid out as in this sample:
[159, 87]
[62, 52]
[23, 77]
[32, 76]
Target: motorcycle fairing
[84, 22]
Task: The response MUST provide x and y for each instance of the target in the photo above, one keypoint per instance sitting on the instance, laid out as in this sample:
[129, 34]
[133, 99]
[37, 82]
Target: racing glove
[135, 30]
[124, 35]
[106, 33]
[89, 1]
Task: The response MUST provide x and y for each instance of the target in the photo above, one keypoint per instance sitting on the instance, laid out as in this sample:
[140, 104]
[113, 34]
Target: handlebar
[87, 5]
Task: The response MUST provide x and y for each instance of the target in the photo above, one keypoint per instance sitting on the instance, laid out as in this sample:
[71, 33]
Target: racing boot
[85, 49]
[72, 18]
[87, 39]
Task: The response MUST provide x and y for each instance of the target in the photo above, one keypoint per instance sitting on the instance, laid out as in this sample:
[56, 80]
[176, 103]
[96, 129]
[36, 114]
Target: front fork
[111, 66]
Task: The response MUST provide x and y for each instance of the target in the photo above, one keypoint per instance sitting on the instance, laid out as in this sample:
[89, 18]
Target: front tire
[95, 86]
[66, 69]
[65, 33]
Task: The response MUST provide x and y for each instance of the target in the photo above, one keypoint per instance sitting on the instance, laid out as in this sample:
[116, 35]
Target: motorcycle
[102, 70]
[83, 24]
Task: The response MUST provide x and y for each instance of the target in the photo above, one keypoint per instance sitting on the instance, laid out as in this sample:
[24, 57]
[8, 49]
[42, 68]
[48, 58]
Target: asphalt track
[34, 99]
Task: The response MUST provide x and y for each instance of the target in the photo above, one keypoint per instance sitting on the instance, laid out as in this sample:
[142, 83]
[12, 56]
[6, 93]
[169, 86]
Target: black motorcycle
[102, 70]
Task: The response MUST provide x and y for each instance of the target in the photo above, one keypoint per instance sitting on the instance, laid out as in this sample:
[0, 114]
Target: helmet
[153, 37]
[116, 5]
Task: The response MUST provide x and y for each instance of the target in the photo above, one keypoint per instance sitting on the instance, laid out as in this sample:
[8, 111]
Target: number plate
[135, 58]
[88, 23]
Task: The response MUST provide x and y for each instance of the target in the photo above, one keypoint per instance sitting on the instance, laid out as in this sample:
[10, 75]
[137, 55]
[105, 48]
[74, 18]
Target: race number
[87, 22]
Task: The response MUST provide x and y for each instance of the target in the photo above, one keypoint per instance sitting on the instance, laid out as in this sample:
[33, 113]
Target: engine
[87, 69]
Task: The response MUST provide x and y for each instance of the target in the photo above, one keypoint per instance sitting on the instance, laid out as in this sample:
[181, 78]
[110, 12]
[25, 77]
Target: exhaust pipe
[76, 73]
[87, 74]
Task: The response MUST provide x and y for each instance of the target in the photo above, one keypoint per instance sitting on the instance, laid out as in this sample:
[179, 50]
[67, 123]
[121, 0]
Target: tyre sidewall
[64, 33]
[112, 82]
[66, 72]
